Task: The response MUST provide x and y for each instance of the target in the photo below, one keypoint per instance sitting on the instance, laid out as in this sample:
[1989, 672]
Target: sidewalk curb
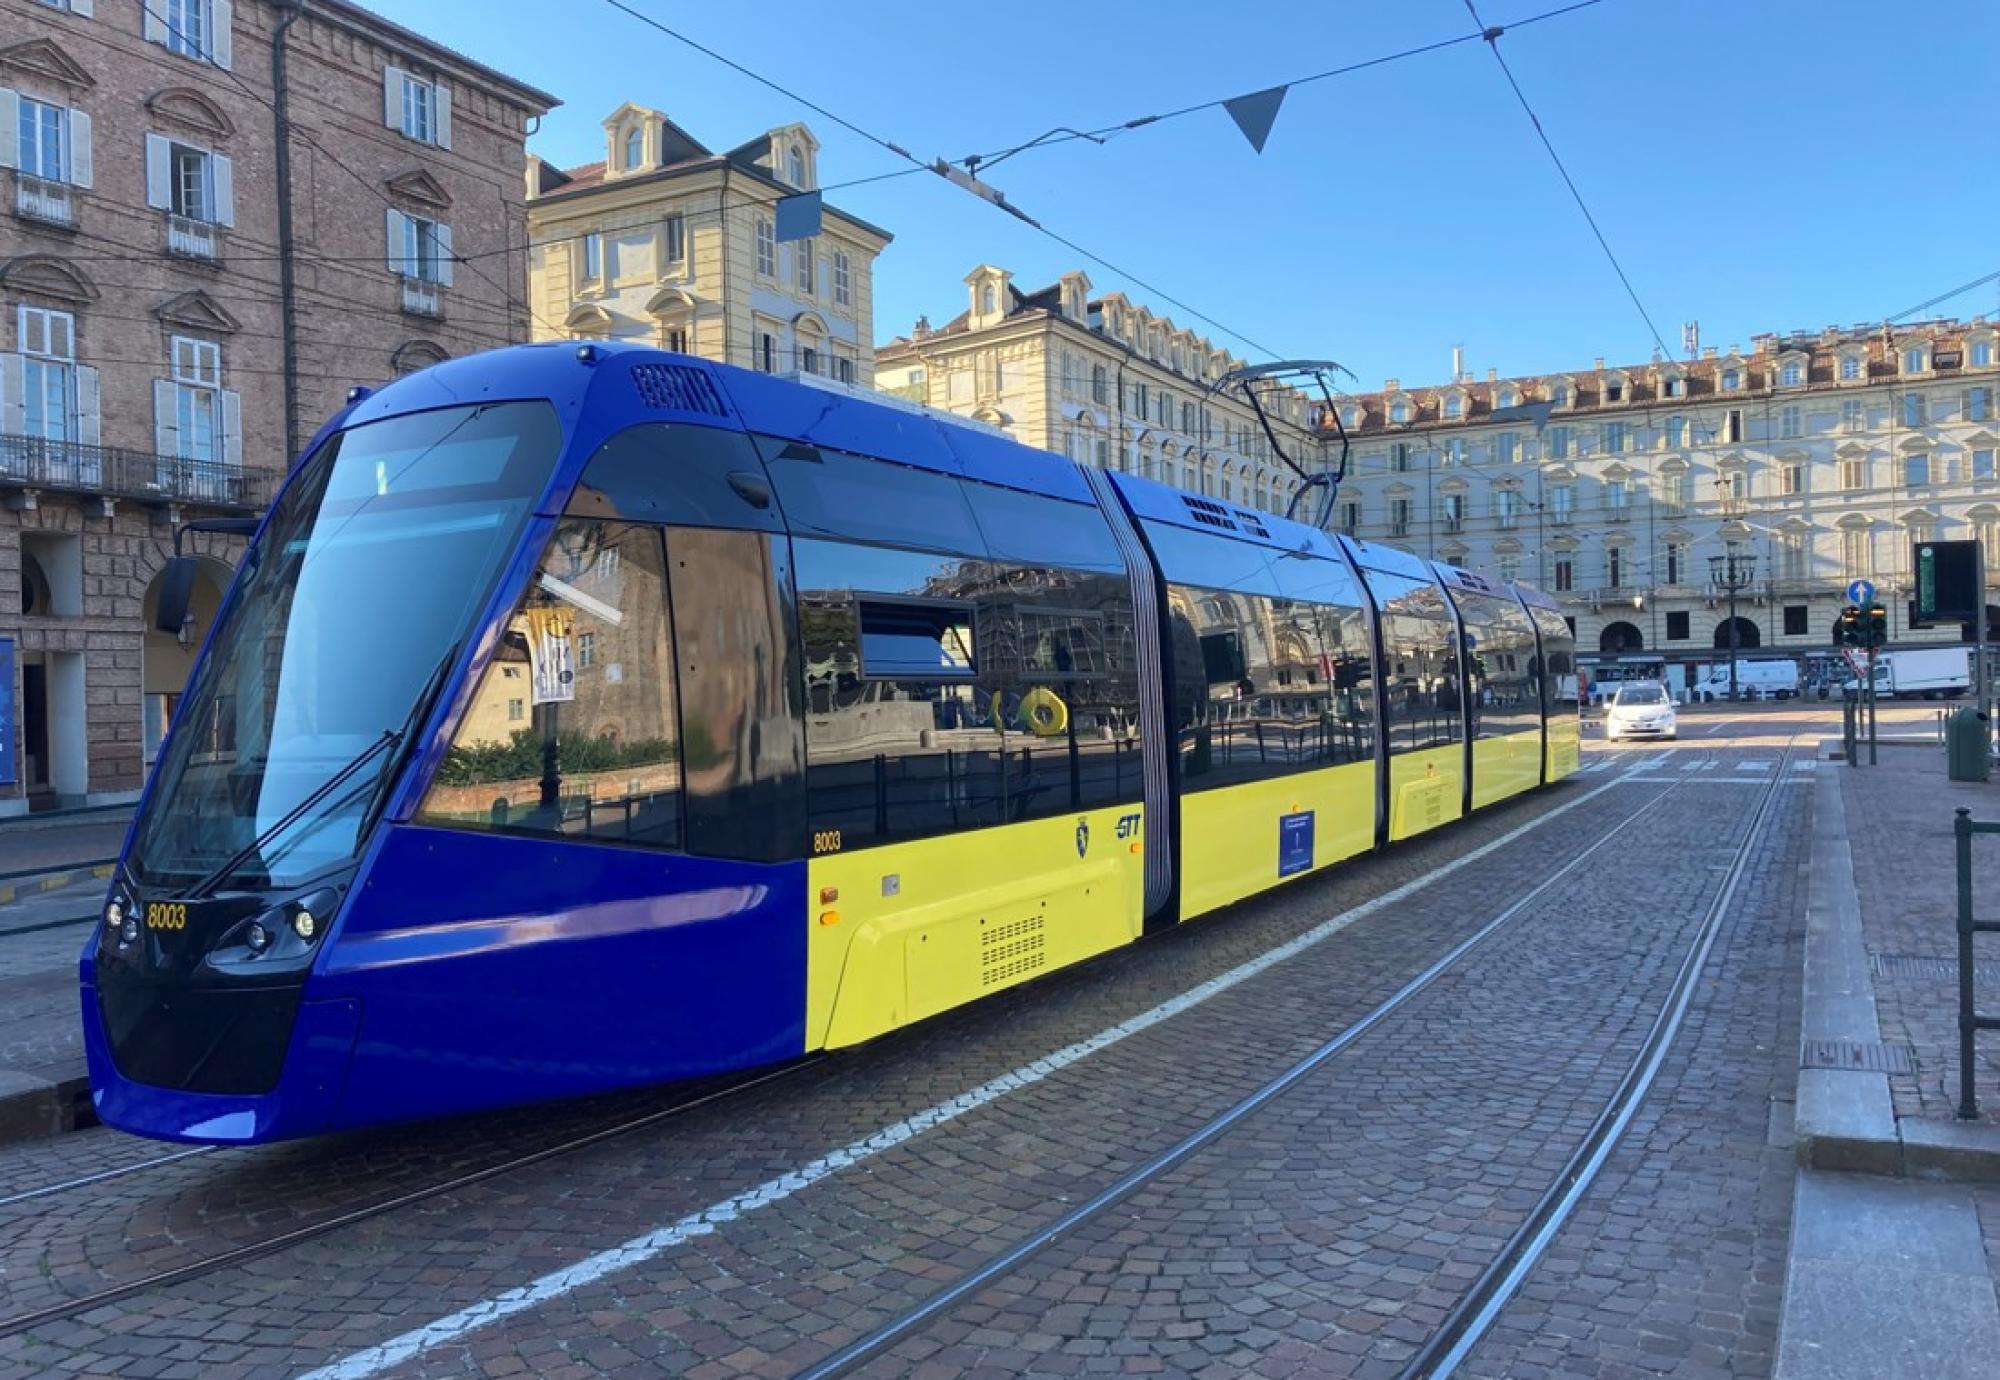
[1844, 1119]
[40, 883]
[34, 1108]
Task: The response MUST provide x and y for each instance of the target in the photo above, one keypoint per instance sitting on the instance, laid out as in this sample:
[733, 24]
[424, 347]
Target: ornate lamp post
[1731, 574]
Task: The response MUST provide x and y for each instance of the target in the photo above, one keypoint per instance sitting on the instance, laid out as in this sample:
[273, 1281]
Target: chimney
[1391, 385]
[1708, 352]
[1457, 363]
[1597, 363]
[921, 329]
[1493, 376]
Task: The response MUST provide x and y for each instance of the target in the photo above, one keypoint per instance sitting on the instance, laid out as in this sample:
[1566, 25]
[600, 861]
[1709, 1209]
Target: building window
[843, 280]
[1614, 391]
[1614, 498]
[1676, 432]
[1399, 412]
[677, 340]
[1792, 478]
[767, 248]
[1732, 379]
[187, 25]
[1399, 517]
[1853, 474]
[48, 369]
[1614, 437]
[1978, 404]
[1507, 509]
[190, 186]
[1732, 425]
[1454, 408]
[593, 258]
[1913, 409]
[517, 710]
[673, 241]
[1507, 448]
[1795, 620]
[1982, 353]
[1506, 397]
[1677, 562]
[1677, 626]
[843, 368]
[635, 148]
[1454, 451]
[1453, 512]
[586, 650]
[1792, 552]
[197, 385]
[1854, 415]
[1558, 442]
[1559, 395]
[1913, 360]
[795, 166]
[1399, 457]
[1674, 493]
[1565, 574]
[1850, 367]
[1100, 390]
[1350, 517]
[1792, 375]
[1614, 566]
[43, 144]
[426, 248]
[1508, 565]
[1916, 470]
[1857, 553]
[809, 359]
[1676, 387]
[767, 352]
[420, 100]
[1561, 500]
[1982, 464]
[804, 255]
[1790, 422]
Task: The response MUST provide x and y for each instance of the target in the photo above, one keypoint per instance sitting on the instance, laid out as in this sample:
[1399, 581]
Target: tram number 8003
[166, 915]
[826, 840]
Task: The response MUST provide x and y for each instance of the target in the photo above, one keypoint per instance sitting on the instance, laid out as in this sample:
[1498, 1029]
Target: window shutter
[10, 127]
[159, 171]
[223, 174]
[442, 120]
[88, 431]
[443, 238]
[79, 147]
[156, 24]
[397, 264]
[392, 97]
[13, 395]
[232, 428]
[166, 418]
[222, 49]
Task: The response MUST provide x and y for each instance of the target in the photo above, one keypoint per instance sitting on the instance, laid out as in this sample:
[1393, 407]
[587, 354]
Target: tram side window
[1500, 663]
[1265, 686]
[953, 693]
[742, 723]
[569, 742]
[1559, 687]
[1421, 677]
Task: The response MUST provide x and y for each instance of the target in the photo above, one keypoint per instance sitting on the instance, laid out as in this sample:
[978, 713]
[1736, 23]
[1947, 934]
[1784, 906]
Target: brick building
[174, 324]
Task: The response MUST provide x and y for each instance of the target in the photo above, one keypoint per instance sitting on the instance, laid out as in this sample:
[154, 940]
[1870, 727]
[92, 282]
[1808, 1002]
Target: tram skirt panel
[1239, 840]
[1426, 789]
[1505, 764]
[907, 930]
[1565, 746]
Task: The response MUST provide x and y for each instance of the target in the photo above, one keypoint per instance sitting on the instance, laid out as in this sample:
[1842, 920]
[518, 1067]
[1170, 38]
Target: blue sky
[1756, 164]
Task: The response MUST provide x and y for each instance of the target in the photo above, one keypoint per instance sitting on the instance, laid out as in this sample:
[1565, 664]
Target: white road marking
[1752, 765]
[374, 1360]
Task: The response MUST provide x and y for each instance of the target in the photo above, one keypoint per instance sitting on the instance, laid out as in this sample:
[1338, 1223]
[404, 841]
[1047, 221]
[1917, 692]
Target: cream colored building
[667, 242]
[1822, 455]
[1103, 381]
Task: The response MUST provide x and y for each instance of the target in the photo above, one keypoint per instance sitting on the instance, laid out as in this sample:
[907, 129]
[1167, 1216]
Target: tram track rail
[255, 1250]
[873, 1344]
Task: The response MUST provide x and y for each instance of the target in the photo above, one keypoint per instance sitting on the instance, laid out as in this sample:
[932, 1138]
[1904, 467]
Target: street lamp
[1732, 573]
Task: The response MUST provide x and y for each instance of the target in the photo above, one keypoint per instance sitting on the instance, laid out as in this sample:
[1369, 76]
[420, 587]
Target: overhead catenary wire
[1492, 37]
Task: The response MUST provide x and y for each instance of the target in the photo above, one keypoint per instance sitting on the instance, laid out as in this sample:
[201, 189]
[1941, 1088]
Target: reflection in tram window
[599, 758]
[1421, 672]
[1500, 656]
[946, 693]
[1559, 688]
[1265, 686]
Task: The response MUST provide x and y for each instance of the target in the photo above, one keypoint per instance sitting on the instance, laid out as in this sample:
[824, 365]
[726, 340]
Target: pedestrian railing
[1970, 1022]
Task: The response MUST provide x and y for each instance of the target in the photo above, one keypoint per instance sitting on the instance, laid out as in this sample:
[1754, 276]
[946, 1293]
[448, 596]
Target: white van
[1755, 680]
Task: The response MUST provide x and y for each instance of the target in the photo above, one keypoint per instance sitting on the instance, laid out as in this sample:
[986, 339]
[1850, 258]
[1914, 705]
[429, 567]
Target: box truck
[1927, 672]
[1755, 680]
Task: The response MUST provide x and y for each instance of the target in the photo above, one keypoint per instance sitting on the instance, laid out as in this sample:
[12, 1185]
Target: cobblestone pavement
[1909, 916]
[769, 1291]
[31, 843]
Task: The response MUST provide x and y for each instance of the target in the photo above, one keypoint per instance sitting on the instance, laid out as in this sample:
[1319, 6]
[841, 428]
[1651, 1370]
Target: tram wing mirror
[753, 489]
[177, 579]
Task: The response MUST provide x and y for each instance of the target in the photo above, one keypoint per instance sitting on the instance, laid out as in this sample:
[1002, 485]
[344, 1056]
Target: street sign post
[1860, 592]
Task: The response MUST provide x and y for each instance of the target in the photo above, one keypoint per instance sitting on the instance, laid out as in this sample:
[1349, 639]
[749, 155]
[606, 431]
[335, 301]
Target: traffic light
[1847, 628]
[1875, 628]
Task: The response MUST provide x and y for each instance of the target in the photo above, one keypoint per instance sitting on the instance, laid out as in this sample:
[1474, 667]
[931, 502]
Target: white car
[1640, 709]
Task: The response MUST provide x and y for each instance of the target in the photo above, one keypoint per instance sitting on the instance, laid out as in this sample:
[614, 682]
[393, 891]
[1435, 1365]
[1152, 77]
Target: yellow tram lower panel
[902, 931]
[1426, 789]
[1505, 764]
[1235, 840]
[1565, 745]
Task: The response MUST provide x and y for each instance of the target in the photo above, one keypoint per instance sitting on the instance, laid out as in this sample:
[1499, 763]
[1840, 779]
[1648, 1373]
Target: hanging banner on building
[551, 655]
[798, 216]
[8, 717]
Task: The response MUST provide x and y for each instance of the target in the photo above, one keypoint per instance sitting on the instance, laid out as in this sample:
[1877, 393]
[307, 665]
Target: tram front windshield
[366, 579]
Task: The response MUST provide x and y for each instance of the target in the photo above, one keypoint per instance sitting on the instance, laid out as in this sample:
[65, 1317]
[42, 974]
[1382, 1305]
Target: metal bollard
[1968, 1100]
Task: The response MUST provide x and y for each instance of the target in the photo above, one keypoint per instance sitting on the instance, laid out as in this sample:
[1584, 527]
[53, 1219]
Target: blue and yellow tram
[583, 717]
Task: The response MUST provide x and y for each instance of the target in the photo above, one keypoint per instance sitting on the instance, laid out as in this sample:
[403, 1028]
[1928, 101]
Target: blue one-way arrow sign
[1860, 592]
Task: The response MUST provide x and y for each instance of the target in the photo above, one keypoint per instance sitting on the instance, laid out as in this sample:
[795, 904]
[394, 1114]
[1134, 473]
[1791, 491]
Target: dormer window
[1559, 395]
[635, 148]
[1506, 397]
[1732, 379]
[1914, 359]
[1399, 412]
[1850, 368]
[1981, 353]
[1792, 374]
[1454, 407]
[987, 301]
[1614, 390]
[1674, 386]
[795, 169]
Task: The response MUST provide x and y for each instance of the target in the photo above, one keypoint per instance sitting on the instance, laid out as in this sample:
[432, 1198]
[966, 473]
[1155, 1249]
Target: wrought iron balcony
[31, 462]
[188, 238]
[38, 198]
[422, 297]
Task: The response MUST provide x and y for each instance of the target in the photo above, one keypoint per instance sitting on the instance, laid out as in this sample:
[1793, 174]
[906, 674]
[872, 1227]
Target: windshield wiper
[421, 710]
[390, 736]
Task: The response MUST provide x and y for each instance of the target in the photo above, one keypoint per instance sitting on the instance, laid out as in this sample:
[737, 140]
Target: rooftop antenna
[1293, 373]
[1691, 338]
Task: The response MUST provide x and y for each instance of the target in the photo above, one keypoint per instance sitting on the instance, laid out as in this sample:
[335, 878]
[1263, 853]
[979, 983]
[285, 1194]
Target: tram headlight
[304, 923]
[114, 916]
[128, 930]
[257, 937]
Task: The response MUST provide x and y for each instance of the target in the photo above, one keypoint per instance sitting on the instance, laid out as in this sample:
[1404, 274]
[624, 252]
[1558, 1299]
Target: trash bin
[1965, 746]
